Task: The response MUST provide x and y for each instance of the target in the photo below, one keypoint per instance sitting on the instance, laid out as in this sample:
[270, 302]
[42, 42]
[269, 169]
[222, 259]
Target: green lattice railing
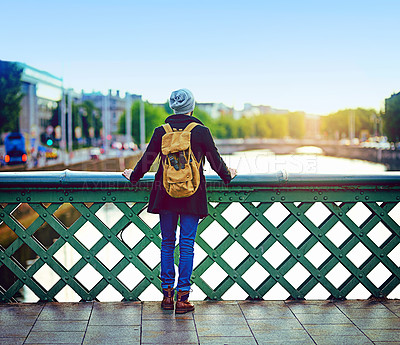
[266, 236]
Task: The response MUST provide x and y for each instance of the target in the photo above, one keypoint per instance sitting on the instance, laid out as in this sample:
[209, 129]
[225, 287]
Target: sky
[313, 56]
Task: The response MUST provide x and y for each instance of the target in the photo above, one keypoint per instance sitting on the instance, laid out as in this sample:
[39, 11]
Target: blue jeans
[188, 229]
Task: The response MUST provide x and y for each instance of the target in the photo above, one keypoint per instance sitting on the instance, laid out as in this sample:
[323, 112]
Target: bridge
[390, 158]
[289, 238]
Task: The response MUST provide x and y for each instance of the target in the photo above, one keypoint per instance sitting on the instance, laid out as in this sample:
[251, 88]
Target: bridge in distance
[391, 158]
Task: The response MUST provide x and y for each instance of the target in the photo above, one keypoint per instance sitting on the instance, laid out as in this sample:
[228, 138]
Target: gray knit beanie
[181, 101]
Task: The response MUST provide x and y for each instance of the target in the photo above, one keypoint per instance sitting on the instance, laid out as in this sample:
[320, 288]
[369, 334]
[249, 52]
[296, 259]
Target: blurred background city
[90, 81]
[306, 87]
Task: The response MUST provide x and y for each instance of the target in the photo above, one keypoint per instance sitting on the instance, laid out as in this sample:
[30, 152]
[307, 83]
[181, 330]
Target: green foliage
[10, 96]
[391, 117]
[296, 124]
[154, 117]
[225, 127]
[245, 128]
[167, 108]
[203, 116]
[261, 126]
[336, 125]
[86, 115]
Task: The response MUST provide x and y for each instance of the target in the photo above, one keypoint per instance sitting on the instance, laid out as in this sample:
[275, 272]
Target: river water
[250, 162]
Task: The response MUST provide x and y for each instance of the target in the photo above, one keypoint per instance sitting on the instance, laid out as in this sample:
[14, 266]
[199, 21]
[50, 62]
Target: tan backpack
[181, 176]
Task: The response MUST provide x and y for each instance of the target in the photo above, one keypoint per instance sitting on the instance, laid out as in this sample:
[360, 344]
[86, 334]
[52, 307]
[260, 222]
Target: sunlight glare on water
[265, 162]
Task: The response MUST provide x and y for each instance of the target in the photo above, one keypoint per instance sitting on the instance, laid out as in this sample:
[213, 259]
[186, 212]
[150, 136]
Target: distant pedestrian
[188, 209]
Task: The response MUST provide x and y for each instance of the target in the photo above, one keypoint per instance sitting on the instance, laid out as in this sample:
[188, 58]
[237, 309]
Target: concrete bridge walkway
[236, 322]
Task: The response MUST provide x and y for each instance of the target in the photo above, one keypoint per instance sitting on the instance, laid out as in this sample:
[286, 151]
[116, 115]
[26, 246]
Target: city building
[42, 91]
[215, 109]
[250, 110]
[116, 105]
[313, 126]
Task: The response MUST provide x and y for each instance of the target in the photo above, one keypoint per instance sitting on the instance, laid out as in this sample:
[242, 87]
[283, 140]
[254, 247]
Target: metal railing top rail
[67, 178]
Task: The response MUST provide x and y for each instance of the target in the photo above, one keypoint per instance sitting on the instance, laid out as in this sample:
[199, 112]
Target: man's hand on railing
[233, 172]
[127, 173]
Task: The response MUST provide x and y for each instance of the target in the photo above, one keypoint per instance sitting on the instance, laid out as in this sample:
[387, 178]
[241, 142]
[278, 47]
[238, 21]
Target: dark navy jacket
[202, 145]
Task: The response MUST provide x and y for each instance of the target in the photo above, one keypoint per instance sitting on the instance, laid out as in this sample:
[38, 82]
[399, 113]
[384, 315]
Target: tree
[154, 117]
[336, 125]
[296, 124]
[224, 127]
[204, 117]
[279, 125]
[261, 128]
[391, 117]
[10, 96]
[245, 127]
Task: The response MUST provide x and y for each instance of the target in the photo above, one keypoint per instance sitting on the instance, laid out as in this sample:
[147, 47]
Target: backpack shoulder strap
[167, 128]
[190, 126]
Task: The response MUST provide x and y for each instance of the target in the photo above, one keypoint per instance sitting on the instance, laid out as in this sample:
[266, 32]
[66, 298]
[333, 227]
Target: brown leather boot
[182, 304]
[168, 300]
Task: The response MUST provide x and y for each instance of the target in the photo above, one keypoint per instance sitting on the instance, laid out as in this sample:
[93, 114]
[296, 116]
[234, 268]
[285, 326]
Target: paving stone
[383, 323]
[211, 307]
[169, 332]
[117, 307]
[153, 311]
[230, 319]
[60, 326]
[14, 330]
[55, 337]
[227, 340]
[265, 310]
[19, 314]
[309, 302]
[314, 308]
[258, 303]
[26, 308]
[383, 334]
[219, 330]
[107, 335]
[275, 324]
[392, 304]
[299, 336]
[359, 304]
[342, 340]
[66, 311]
[263, 305]
[116, 314]
[116, 320]
[274, 341]
[271, 322]
[11, 341]
[13, 318]
[365, 313]
[333, 330]
[393, 307]
[322, 319]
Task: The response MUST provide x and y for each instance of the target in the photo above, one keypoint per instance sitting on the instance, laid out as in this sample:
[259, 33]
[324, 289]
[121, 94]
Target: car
[14, 144]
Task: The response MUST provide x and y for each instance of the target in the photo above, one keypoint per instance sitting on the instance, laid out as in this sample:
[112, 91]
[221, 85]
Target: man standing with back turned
[188, 209]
